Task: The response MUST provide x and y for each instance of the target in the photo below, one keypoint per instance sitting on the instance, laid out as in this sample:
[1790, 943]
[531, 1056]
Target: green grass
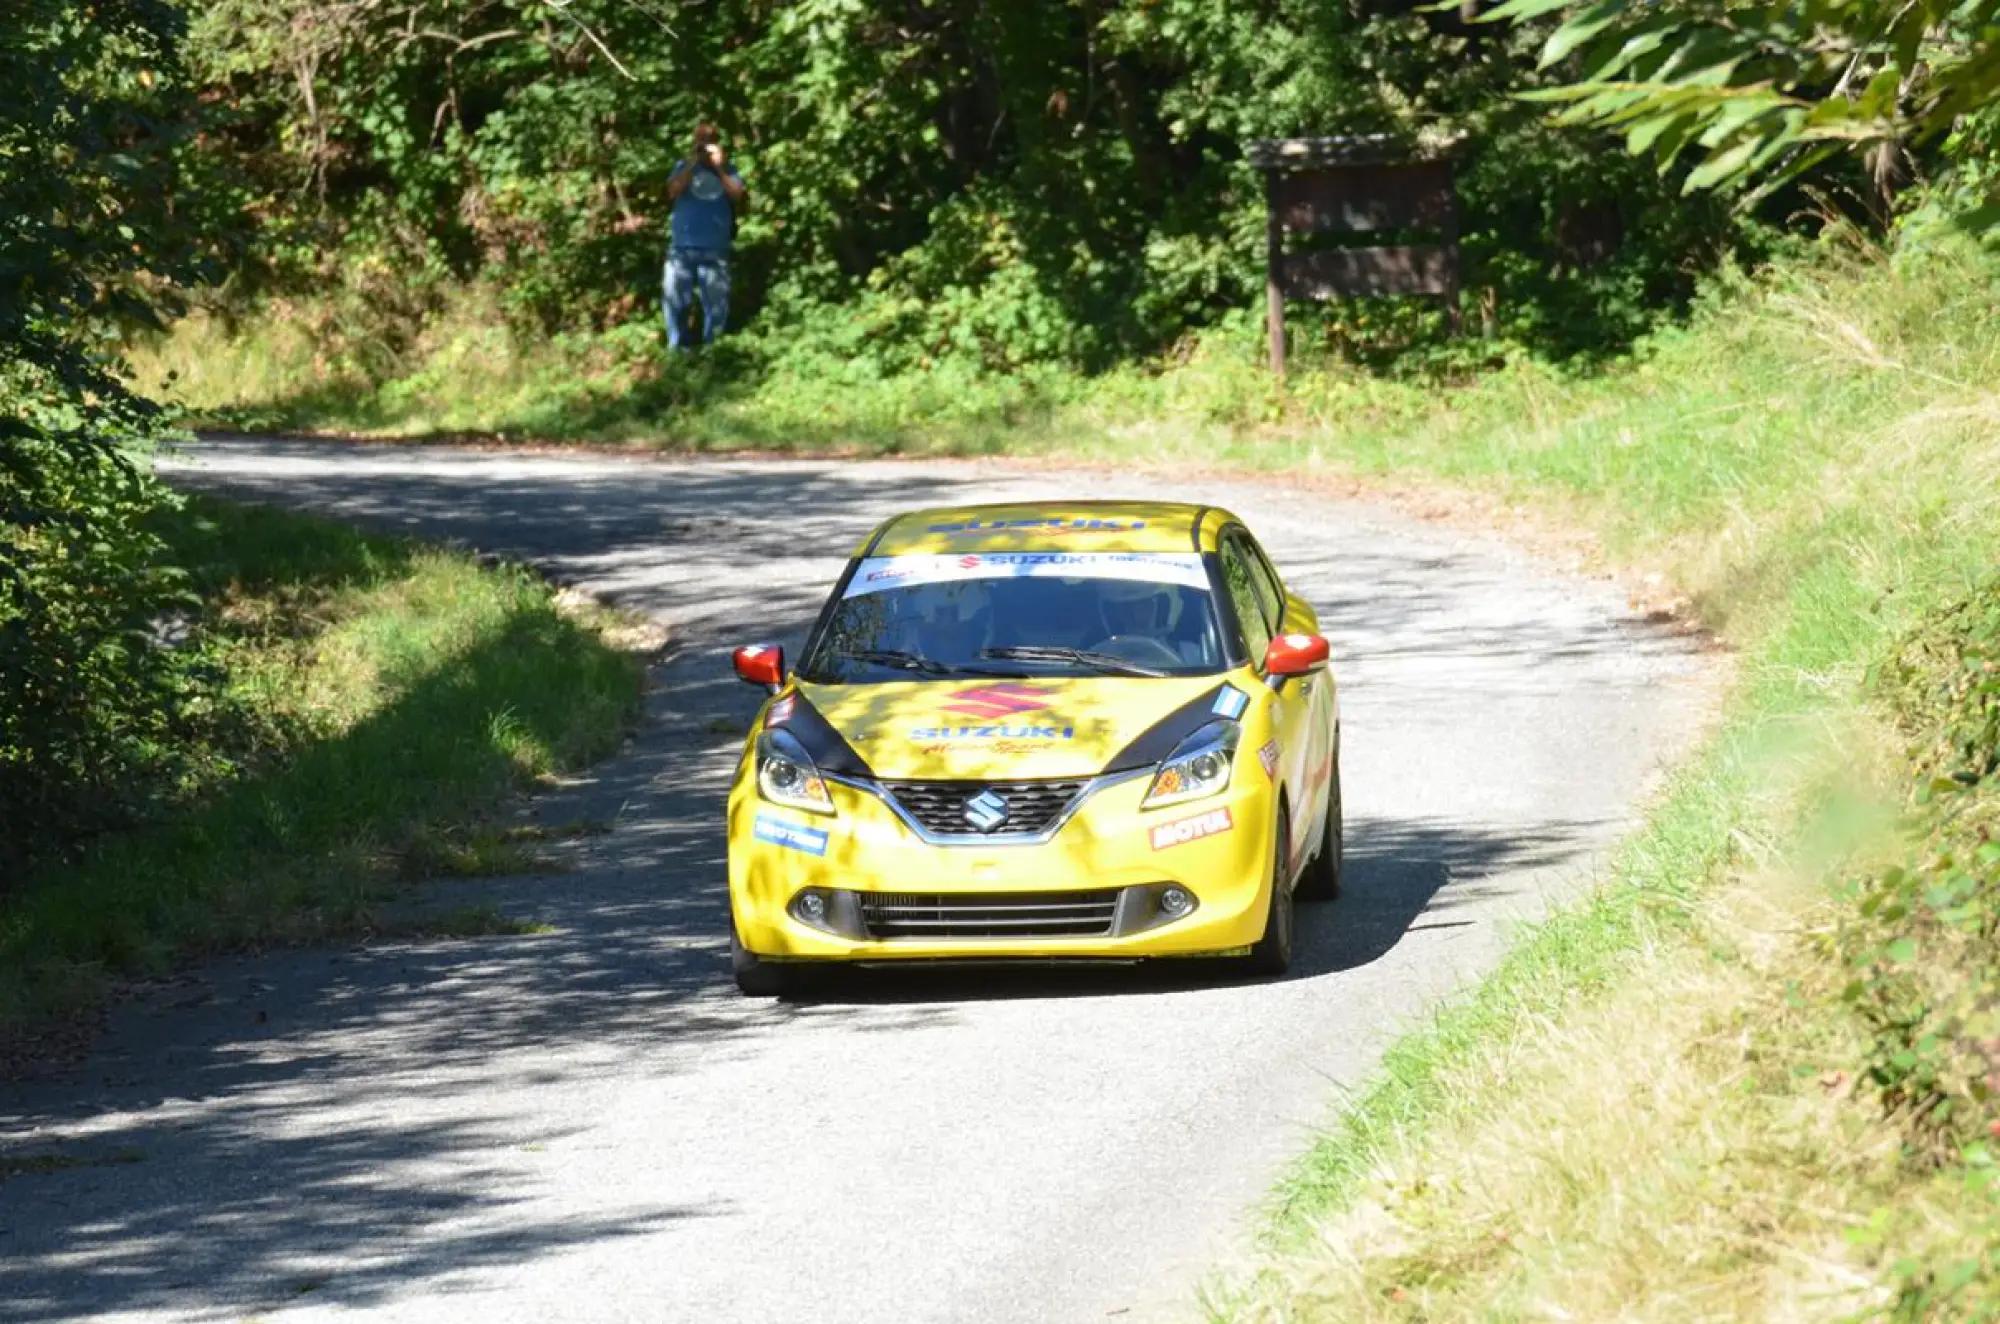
[384, 697]
[1818, 462]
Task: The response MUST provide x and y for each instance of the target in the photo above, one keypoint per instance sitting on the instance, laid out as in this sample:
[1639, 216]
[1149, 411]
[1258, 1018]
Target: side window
[1265, 581]
[1241, 582]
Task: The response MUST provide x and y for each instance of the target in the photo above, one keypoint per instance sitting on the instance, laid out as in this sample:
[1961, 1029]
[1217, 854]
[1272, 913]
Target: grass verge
[387, 696]
[1670, 1102]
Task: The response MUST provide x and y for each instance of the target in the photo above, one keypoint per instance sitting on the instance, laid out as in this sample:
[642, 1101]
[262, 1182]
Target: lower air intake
[917, 916]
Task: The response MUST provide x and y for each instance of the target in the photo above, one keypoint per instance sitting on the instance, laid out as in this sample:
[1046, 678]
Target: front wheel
[759, 978]
[1272, 955]
[1322, 877]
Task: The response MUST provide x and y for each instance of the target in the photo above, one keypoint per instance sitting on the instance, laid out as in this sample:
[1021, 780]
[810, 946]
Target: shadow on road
[1396, 873]
[202, 1125]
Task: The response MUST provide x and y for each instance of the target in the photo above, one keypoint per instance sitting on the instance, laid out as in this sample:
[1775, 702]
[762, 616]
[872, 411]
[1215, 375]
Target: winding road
[588, 1124]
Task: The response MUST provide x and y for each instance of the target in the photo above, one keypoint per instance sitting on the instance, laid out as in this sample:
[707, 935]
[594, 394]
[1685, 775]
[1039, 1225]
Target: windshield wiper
[900, 659]
[904, 660]
[1106, 662]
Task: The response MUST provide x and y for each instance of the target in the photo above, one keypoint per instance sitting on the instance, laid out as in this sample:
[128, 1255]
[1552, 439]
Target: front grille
[940, 806]
[887, 916]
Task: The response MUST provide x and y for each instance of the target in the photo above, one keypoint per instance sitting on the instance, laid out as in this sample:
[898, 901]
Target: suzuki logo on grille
[986, 811]
[992, 701]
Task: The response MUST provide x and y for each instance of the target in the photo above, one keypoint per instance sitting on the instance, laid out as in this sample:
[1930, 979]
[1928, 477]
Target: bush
[95, 714]
[1919, 945]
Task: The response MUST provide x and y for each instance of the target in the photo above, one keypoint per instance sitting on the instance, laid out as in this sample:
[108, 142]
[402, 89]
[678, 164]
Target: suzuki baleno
[1094, 730]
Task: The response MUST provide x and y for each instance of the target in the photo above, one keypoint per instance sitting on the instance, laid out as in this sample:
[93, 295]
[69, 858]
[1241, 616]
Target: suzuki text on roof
[1103, 731]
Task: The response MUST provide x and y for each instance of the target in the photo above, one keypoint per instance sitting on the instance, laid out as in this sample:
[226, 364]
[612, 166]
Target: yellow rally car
[1098, 730]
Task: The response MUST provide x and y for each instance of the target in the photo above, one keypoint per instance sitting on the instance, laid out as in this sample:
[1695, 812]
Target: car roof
[1075, 526]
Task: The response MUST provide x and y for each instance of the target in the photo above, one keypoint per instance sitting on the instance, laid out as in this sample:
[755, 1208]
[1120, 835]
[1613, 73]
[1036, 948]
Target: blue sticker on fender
[1230, 702]
[796, 836]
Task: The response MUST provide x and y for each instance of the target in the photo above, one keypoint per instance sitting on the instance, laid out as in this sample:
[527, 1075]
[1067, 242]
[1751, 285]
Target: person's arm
[678, 181]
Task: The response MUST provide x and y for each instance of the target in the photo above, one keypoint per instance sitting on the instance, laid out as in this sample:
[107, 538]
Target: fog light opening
[810, 907]
[1176, 902]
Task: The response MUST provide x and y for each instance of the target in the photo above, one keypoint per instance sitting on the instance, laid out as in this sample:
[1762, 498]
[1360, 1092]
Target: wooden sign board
[1369, 197]
[1367, 272]
[1355, 186]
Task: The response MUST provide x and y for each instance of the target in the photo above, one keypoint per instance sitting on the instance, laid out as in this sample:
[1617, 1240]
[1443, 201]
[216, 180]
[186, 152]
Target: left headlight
[787, 776]
[1198, 768]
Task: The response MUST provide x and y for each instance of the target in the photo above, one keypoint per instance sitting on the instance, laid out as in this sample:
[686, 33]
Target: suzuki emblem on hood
[986, 811]
[996, 701]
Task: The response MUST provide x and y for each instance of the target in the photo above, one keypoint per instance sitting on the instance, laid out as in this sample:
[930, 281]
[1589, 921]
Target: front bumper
[866, 858]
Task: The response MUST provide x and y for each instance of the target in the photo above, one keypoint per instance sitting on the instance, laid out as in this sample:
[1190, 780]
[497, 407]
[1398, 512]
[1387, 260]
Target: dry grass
[1680, 1142]
[1677, 1151]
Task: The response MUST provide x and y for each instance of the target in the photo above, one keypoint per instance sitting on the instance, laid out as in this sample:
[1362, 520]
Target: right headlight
[1198, 768]
[787, 776]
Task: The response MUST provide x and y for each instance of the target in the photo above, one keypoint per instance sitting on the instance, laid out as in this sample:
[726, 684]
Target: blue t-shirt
[703, 217]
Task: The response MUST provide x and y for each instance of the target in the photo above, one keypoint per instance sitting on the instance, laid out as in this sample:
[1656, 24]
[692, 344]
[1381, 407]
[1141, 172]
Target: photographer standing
[705, 191]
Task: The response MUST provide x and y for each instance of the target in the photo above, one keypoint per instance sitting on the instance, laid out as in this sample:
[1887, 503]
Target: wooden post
[1454, 314]
[1274, 261]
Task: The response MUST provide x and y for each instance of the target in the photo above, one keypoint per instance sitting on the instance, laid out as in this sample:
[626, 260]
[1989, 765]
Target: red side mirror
[1294, 654]
[761, 664]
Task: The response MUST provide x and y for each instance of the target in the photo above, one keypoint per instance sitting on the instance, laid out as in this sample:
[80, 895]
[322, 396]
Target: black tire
[1272, 955]
[1321, 880]
[759, 978]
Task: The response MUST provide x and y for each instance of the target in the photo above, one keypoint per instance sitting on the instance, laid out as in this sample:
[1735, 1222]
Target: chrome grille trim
[1091, 786]
[1031, 806]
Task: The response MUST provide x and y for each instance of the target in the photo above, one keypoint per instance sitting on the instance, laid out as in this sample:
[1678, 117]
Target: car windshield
[1021, 614]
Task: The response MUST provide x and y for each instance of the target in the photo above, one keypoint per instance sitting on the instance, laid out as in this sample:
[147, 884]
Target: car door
[1319, 691]
[1261, 610]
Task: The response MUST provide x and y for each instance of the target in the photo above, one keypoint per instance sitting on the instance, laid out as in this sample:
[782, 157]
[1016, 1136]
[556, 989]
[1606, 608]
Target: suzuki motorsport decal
[876, 573]
[793, 836]
[995, 701]
[1183, 830]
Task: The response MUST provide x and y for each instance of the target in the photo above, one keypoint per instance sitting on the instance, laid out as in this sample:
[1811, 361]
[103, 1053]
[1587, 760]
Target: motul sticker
[781, 711]
[1183, 830]
[1267, 755]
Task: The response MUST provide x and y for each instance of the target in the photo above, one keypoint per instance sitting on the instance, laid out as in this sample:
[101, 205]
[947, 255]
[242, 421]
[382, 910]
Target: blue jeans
[693, 273]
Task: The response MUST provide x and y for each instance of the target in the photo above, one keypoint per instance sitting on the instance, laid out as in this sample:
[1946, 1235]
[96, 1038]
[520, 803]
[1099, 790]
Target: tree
[90, 235]
[1764, 91]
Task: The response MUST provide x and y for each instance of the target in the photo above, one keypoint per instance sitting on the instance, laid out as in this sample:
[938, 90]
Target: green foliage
[1919, 947]
[94, 716]
[1766, 90]
[1920, 944]
[92, 228]
[381, 696]
[985, 185]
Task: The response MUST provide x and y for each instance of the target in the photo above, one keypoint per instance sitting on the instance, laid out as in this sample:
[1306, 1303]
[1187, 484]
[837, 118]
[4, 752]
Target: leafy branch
[1762, 92]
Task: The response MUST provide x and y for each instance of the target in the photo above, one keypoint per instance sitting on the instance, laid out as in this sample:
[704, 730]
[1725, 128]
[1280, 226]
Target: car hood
[1013, 729]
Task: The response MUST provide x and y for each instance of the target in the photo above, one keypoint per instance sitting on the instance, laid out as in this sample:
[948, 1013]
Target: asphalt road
[590, 1125]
